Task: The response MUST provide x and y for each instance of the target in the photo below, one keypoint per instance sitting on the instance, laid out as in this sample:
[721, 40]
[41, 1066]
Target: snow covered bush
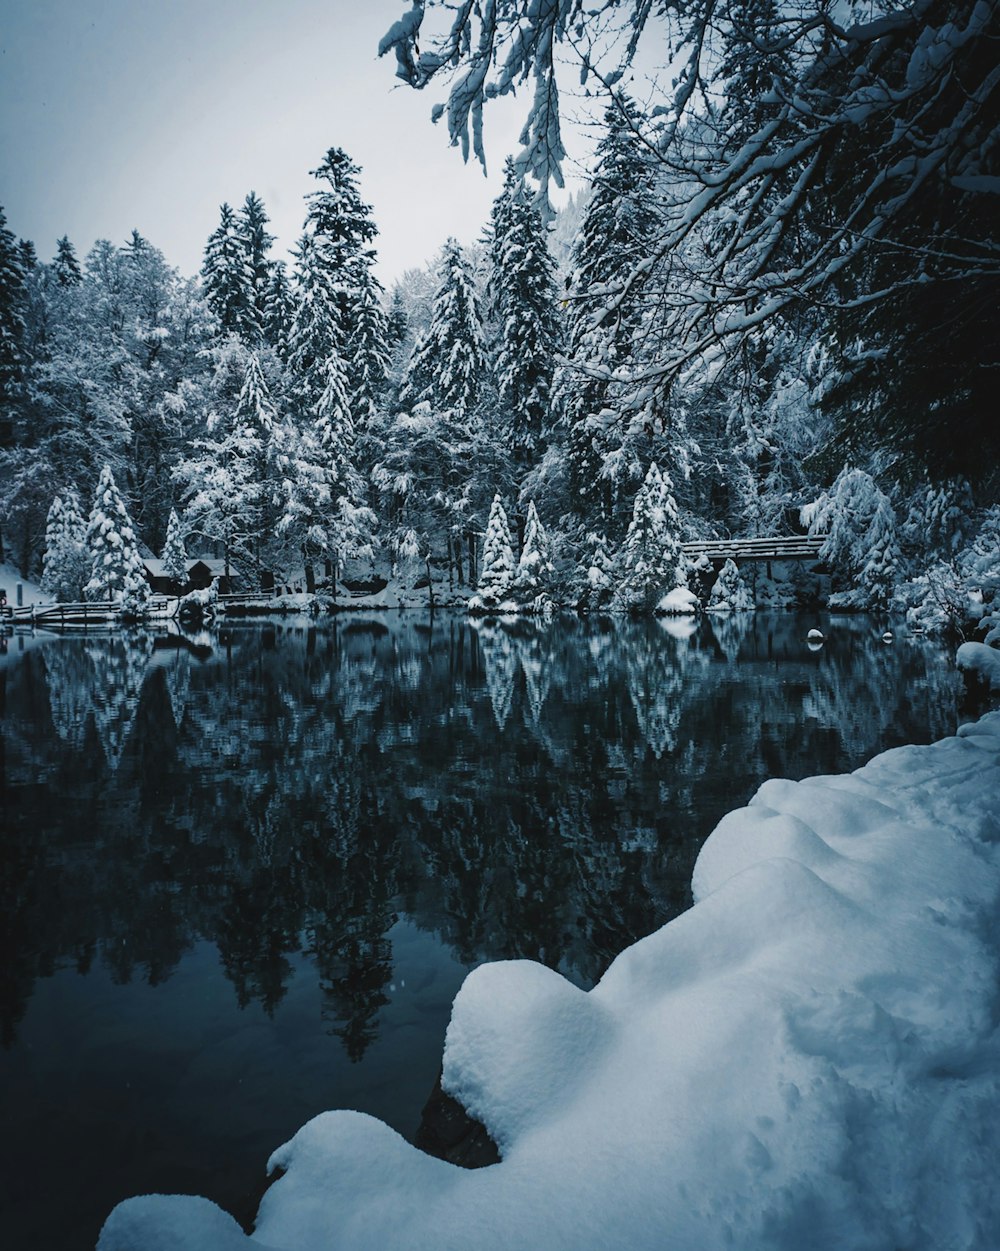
[729, 592]
[116, 568]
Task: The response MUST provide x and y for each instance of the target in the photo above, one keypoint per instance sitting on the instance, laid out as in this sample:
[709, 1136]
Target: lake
[244, 874]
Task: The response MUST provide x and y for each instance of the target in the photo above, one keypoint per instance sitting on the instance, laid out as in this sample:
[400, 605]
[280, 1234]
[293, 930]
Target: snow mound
[680, 602]
[983, 661]
[808, 1057]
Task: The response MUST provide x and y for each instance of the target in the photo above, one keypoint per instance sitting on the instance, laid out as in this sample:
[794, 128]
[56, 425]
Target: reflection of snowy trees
[321, 782]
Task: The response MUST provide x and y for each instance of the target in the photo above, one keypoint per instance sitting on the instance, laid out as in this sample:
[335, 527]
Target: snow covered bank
[807, 1058]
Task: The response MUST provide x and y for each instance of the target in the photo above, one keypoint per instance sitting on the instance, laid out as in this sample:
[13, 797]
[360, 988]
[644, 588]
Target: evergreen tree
[66, 563]
[368, 348]
[279, 310]
[175, 559]
[65, 266]
[227, 277]
[116, 568]
[729, 592]
[13, 294]
[447, 364]
[318, 330]
[881, 571]
[497, 568]
[858, 524]
[522, 296]
[616, 233]
[534, 572]
[397, 322]
[649, 560]
[256, 241]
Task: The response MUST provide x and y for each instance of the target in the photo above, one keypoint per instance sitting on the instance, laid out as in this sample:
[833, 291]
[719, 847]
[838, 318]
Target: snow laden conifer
[66, 564]
[279, 310]
[13, 301]
[729, 592]
[649, 560]
[226, 276]
[616, 234]
[448, 362]
[523, 303]
[534, 572]
[116, 567]
[65, 266]
[368, 348]
[857, 521]
[174, 557]
[496, 572]
[255, 240]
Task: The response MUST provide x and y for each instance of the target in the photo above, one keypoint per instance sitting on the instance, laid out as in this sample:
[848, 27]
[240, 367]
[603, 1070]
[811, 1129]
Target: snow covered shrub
[730, 593]
[935, 601]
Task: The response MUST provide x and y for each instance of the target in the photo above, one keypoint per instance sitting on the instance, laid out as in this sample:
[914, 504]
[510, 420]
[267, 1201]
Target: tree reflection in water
[289, 794]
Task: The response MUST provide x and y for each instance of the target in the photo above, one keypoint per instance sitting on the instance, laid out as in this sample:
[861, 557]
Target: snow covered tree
[66, 564]
[729, 592]
[256, 240]
[523, 303]
[616, 234]
[226, 275]
[116, 568]
[65, 265]
[858, 524]
[497, 568]
[595, 580]
[226, 479]
[648, 562]
[12, 302]
[368, 349]
[174, 557]
[864, 179]
[448, 361]
[279, 310]
[534, 573]
[318, 329]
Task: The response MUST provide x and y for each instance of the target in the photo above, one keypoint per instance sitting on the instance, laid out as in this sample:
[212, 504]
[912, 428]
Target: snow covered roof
[156, 569]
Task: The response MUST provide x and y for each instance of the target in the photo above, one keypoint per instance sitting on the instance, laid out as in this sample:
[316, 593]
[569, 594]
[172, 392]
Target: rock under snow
[807, 1058]
[680, 602]
[982, 661]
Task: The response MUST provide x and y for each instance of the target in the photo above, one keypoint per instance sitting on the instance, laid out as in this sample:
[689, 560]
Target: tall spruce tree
[279, 310]
[448, 362]
[497, 569]
[523, 303]
[648, 562]
[13, 295]
[256, 240]
[227, 277]
[65, 265]
[616, 233]
[368, 349]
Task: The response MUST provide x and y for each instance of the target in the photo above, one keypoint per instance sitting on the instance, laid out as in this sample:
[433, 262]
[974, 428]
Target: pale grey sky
[149, 114]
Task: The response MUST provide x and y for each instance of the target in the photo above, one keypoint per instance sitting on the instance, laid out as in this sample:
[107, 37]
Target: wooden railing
[784, 547]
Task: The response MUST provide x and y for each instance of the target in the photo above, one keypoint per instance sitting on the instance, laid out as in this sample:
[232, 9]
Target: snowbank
[31, 592]
[983, 661]
[680, 602]
[806, 1058]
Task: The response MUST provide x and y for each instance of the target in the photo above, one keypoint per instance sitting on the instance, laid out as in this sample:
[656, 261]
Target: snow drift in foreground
[806, 1058]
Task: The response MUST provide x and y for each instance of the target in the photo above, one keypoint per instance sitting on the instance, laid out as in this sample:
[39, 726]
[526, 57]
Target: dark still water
[243, 877]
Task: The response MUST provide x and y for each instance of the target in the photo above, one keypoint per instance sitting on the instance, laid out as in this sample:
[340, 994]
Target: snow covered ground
[31, 593]
[807, 1058]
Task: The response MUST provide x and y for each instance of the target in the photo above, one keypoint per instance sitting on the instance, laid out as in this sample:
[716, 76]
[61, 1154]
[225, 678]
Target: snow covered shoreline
[807, 1058]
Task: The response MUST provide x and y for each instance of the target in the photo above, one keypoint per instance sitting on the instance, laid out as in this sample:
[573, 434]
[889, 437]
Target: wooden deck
[785, 547]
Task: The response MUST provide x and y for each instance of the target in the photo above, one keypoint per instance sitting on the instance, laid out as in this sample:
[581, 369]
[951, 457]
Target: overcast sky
[148, 114]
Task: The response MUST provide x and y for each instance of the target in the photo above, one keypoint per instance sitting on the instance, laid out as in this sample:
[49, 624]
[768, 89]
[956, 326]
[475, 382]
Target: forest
[773, 309]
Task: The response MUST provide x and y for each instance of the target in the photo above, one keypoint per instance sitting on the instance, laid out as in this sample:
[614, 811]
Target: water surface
[243, 875]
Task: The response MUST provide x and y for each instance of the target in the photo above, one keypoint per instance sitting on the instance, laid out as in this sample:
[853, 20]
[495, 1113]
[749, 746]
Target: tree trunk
[430, 581]
[310, 573]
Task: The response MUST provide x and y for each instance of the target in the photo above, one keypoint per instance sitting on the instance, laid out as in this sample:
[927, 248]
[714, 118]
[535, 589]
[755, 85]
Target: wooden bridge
[95, 613]
[783, 547]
